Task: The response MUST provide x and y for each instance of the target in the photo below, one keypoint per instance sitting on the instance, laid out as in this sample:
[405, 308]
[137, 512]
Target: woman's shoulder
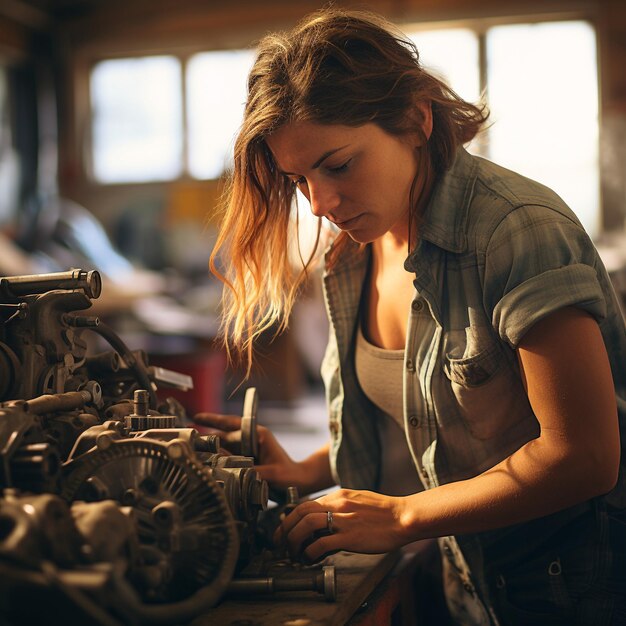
[505, 204]
[476, 198]
[513, 190]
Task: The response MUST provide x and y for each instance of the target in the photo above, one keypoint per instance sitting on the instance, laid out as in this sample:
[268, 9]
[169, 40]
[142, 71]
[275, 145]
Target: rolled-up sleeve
[539, 261]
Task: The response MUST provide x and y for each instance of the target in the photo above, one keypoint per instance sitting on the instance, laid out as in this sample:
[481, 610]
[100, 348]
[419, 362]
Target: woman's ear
[426, 121]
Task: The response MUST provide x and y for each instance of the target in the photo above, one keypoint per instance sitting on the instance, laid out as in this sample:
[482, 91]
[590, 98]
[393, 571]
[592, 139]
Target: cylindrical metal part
[208, 443]
[323, 582]
[59, 402]
[292, 501]
[81, 321]
[33, 465]
[103, 363]
[166, 514]
[292, 495]
[140, 402]
[16, 286]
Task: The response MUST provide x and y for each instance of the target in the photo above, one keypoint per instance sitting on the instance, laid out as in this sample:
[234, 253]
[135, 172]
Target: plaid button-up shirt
[496, 253]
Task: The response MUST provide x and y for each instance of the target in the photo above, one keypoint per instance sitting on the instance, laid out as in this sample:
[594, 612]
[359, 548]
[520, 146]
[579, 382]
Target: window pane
[452, 55]
[216, 94]
[137, 119]
[543, 96]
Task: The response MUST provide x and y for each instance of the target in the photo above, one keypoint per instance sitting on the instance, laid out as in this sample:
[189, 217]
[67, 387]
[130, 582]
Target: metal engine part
[188, 544]
[112, 510]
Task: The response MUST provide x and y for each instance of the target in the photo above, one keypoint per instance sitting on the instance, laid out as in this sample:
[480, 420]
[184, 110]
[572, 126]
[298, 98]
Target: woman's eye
[340, 168]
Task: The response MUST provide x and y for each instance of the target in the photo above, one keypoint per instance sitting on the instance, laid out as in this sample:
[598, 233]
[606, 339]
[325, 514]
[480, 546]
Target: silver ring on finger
[329, 522]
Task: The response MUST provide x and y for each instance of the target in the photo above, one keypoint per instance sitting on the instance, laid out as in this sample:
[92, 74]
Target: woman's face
[359, 177]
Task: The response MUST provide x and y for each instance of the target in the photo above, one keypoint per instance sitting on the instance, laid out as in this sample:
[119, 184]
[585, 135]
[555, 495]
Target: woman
[476, 346]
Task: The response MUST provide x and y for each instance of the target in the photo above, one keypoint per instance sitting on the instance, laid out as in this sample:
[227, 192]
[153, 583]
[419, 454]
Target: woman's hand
[362, 521]
[275, 465]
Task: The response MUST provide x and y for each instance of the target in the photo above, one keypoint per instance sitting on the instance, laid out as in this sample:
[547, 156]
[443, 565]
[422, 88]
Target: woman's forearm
[316, 474]
[538, 479]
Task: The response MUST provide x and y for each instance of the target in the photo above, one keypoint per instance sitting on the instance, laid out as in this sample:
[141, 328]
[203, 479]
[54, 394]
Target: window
[541, 89]
[543, 96]
[216, 94]
[136, 119]
[540, 84]
[452, 55]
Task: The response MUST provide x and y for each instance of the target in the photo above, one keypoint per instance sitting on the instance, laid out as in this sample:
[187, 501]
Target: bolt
[140, 402]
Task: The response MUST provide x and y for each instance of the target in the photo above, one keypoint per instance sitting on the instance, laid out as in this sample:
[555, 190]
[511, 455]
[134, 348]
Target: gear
[189, 544]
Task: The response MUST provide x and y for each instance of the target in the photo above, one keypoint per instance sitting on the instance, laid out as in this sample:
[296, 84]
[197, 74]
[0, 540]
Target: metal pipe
[90, 282]
[323, 582]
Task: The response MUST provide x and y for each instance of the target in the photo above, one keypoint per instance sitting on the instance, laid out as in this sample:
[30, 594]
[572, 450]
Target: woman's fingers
[320, 547]
[358, 521]
[225, 423]
[294, 518]
[312, 538]
[309, 532]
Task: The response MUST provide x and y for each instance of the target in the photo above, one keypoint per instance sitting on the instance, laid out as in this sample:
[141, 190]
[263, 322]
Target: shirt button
[333, 428]
[414, 421]
[417, 305]
[410, 365]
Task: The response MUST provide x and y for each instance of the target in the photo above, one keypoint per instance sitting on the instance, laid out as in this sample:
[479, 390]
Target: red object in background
[207, 370]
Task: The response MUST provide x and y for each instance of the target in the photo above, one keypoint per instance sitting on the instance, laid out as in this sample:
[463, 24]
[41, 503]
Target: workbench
[372, 590]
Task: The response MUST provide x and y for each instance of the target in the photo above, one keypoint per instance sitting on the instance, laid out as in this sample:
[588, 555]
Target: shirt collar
[445, 217]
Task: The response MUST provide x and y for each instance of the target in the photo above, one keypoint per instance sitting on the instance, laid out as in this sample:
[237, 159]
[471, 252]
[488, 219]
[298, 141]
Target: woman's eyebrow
[321, 159]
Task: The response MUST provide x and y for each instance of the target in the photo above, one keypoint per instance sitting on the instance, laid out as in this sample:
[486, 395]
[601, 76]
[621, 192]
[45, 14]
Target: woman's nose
[323, 199]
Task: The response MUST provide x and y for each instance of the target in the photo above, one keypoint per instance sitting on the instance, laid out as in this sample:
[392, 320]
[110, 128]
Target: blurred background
[117, 120]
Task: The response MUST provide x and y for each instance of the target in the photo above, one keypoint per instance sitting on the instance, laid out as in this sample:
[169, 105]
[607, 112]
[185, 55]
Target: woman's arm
[310, 475]
[568, 380]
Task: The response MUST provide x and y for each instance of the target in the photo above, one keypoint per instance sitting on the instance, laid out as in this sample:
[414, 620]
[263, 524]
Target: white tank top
[380, 374]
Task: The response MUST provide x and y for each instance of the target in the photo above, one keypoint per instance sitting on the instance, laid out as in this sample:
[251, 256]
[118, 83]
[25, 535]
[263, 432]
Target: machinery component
[323, 582]
[10, 372]
[140, 419]
[35, 466]
[147, 474]
[16, 286]
[293, 498]
[108, 502]
[188, 541]
[249, 438]
[244, 442]
[37, 527]
[41, 346]
[27, 459]
[171, 379]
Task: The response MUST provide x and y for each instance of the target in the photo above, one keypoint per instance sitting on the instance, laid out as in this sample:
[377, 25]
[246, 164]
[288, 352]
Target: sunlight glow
[216, 94]
[543, 96]
[136, 119]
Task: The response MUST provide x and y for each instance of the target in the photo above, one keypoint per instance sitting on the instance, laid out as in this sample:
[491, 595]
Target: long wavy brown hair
[335, 67]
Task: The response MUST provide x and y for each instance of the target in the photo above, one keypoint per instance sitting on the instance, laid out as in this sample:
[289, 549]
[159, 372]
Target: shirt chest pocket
[484, 382]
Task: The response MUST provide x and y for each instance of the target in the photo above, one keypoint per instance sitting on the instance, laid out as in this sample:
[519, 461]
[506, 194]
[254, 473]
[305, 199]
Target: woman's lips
[349, 222]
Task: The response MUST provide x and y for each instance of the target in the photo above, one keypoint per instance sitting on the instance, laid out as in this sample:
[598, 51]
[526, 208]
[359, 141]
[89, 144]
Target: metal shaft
[323, 582]
[89, 281]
